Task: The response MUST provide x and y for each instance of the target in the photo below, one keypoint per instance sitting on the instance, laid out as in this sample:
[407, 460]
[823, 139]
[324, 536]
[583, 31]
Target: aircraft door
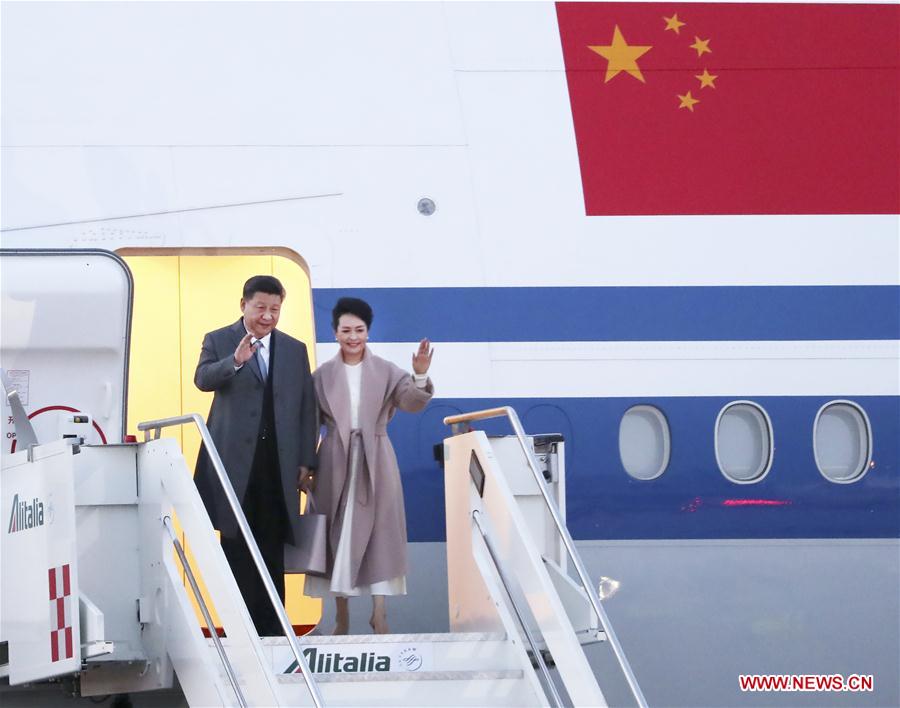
[65, 342]
[180, 294]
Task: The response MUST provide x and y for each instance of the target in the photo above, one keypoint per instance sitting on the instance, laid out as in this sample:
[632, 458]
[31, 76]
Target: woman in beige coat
[357, 483]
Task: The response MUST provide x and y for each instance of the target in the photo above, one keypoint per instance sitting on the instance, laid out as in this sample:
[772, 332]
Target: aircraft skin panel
[630, 314]
[571, 370]
[529, 193]
[504, 174]
[691, 498]
[335, 198]
[90, 187]
[503, 37]
[236, 75]
[317, 200]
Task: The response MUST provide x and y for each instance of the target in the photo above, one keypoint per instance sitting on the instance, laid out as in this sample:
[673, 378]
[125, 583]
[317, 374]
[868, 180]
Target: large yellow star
[673, 23]
[687, 101]
[621, 56]
[701, 45]
[706, 79]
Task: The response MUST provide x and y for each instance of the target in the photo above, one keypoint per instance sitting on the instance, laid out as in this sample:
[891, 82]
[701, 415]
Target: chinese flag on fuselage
[735, 108]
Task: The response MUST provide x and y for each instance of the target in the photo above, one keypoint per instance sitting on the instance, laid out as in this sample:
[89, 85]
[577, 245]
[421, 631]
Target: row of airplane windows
[744, 442]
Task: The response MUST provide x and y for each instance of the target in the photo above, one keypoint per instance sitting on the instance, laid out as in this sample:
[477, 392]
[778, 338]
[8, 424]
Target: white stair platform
[452, 669]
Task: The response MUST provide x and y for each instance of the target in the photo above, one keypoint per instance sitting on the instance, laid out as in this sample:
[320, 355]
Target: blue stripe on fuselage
[603, 314]
[689, 500]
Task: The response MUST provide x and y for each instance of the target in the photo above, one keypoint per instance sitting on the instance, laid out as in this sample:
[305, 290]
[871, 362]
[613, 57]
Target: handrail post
[218, 465]
[593, 597]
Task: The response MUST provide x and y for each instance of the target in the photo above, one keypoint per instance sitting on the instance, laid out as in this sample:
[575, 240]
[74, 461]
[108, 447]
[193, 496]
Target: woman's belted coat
[378, 544]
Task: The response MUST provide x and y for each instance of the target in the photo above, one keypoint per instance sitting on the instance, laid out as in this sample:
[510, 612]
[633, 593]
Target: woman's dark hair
[268, 284]
[351, 306]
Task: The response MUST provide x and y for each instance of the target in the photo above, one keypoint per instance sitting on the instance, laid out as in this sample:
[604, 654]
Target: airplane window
[842, 441]
[744, 442]
[644, 442]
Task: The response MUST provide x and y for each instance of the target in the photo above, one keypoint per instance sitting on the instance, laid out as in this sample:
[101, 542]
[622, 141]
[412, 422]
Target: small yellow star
[673, 23]
[687, 101]
[706, 79]
[701, 45]
[621, 56]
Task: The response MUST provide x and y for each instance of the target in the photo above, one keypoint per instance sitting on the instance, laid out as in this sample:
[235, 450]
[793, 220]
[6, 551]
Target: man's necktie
[263, 369]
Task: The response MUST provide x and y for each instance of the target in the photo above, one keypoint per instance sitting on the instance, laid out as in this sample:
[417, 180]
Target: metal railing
[156, 426]
[593, 597]
[210, 625]
[504, 580]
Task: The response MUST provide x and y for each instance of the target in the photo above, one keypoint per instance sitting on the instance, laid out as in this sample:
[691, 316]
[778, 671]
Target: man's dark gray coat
[234, 419]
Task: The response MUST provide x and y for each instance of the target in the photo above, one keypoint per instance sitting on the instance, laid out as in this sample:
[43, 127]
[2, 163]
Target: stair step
[428, 688]
[371, 676]
[389, 638]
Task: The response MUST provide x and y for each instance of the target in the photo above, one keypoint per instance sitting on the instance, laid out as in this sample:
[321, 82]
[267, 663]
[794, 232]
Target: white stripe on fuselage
[611, 369]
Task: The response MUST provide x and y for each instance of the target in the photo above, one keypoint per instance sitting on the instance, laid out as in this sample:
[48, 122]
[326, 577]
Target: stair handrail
[156, 427]
[210, 625]
[508, 412]
[507, 586]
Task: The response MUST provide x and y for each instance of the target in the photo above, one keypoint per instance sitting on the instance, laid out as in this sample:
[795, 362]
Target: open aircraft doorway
[180, 294]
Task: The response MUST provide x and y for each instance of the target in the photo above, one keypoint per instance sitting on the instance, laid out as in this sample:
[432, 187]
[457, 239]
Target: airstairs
[518, 619]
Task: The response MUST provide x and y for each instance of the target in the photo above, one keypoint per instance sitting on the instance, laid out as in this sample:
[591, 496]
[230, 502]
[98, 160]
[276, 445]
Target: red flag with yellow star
[735, 108]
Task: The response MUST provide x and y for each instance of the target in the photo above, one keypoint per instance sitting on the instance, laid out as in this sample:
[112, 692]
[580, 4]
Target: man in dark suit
[263, 422]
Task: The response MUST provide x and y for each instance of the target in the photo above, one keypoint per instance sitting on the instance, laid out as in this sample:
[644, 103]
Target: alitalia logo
[25, 515]
[335, 662]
